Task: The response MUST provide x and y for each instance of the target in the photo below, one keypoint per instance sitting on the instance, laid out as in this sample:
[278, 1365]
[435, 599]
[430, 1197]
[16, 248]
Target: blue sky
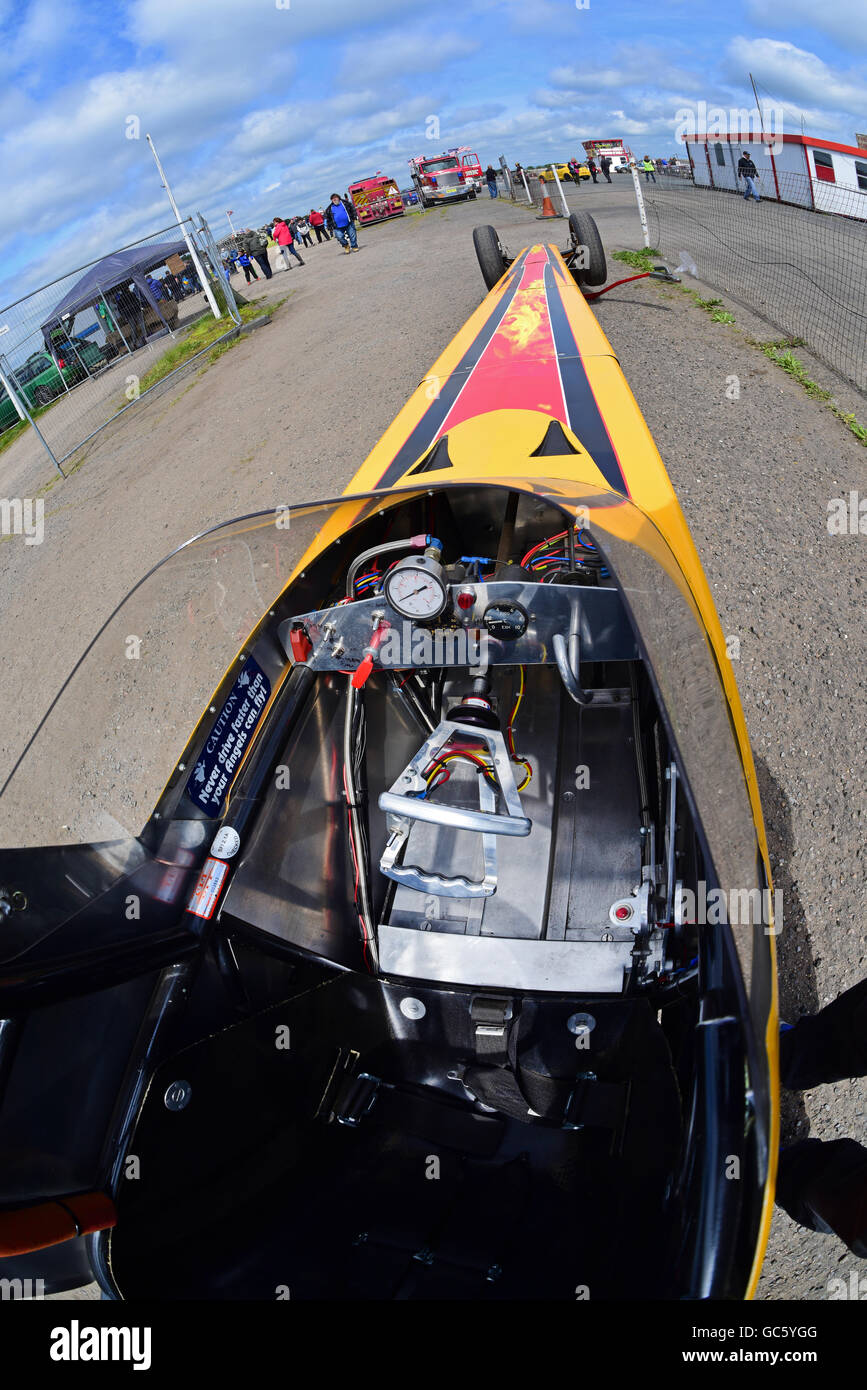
[266, 106]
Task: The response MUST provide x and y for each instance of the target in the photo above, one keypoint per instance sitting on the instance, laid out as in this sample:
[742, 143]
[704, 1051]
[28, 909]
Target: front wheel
[586, 239]
[472, 193]
[43, 395]
[490, 255]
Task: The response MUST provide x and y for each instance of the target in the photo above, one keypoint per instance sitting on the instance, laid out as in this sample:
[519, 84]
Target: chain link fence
[801, 269]
[76, 353]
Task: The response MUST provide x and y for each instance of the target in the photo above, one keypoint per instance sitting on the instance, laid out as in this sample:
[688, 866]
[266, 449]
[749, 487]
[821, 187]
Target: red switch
[300, 644]
[365, 666]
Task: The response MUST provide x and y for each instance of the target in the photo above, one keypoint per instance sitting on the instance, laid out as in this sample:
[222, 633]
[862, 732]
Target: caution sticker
[231, 732]
[208, 888]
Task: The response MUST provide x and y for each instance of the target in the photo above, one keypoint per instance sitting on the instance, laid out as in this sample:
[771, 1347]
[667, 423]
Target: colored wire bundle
[542, 558]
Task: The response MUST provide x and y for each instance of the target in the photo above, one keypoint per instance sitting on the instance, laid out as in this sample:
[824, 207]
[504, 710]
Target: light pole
[206, 286]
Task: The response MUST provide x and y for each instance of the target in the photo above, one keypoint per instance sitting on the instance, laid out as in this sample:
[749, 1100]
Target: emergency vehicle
[471, 165]
[440, 178]
[376, 199]
[619, 154]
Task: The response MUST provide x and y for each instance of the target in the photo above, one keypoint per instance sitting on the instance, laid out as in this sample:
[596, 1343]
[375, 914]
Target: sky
[267, 106]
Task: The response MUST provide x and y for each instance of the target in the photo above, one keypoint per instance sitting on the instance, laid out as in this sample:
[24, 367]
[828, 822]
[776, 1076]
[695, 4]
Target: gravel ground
[288, 414]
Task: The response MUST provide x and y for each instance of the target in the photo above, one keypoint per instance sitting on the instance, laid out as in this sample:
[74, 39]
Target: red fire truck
[376, 199]
[471, 165]
[440, 178]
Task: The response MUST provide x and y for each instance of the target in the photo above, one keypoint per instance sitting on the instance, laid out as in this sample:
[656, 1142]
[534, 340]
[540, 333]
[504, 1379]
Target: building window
[861, 175]
[720, 154]
[824, 167]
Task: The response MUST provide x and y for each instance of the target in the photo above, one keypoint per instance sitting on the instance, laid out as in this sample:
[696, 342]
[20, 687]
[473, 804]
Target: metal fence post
[216, 262]
[11, 391]
[117, 328]
[639, 196]
[560, 190]
[4, 374]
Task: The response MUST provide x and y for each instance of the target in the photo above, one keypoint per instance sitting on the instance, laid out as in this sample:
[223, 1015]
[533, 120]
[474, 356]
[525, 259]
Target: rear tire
[490, 255]
[584, 232]
[43, 395]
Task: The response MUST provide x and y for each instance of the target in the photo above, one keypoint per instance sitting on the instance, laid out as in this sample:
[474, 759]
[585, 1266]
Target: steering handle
[484, 822]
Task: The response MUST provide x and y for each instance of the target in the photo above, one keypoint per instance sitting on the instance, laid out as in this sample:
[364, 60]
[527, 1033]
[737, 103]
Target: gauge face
[506, 621]
[415, 592]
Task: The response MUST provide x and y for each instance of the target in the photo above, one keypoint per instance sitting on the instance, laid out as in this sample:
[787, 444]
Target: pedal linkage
[404, 804]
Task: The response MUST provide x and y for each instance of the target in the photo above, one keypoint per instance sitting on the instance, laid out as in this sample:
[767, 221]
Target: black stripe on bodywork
[433, 418]
[585, 417]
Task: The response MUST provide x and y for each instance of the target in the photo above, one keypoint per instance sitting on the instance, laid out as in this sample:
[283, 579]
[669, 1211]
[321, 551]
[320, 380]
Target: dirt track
[289, 413]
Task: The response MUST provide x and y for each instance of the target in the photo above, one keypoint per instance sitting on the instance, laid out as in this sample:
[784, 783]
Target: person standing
[749, 173]
[592, 166]
[491, 180]
[303, 229]
[283, 237]
[822, 1184]
[246, 265]
[648, 167]
[317, 222]
[128, 301]
[339, 219]
[257, 247]
[605, 165]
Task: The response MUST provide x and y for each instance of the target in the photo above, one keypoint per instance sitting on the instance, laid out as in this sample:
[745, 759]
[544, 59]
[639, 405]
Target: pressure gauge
[415, 588]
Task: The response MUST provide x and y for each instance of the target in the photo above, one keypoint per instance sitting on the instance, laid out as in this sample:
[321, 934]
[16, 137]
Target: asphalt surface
[289, 413]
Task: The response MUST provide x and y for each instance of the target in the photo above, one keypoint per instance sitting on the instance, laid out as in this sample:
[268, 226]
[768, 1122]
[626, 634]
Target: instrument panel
[496, 623]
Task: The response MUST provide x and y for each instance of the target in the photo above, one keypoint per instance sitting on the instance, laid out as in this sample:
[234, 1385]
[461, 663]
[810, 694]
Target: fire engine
[376, 199]
[471, 165]
[440, 178]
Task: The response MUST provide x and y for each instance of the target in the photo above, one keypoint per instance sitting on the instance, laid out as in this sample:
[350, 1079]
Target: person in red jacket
[317, 222]
[285, 241]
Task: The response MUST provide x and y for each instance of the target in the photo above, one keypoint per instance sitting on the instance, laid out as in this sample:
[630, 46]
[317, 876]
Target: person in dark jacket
[605, 166]
[491, 180]
[340, 219]
[257, 246]
[822, 1184]
[593, 167]
[749, 173]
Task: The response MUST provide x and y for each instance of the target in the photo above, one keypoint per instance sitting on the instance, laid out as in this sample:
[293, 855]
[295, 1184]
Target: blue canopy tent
[112, 272]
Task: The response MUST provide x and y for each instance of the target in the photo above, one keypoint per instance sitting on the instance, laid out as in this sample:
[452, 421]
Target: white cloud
[844, 20]
[795, 74]
[392, 56]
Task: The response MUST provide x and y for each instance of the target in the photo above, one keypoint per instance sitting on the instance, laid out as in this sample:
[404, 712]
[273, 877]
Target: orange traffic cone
[547, 209]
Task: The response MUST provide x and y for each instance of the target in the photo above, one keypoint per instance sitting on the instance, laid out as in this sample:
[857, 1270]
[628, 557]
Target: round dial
[415, 589]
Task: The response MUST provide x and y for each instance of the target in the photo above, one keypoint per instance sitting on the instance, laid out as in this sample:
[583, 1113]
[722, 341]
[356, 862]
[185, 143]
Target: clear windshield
[99, 759]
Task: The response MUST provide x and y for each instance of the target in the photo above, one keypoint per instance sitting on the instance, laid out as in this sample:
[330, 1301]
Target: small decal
[207, 890]
[224, 747]
[227, 842]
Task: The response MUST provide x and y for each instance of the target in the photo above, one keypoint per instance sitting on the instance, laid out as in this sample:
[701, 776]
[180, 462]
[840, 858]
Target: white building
[816, 174]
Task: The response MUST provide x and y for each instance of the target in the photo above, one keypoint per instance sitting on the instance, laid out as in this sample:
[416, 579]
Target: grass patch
[199, 338]
[712, 307]
[794, 367]
[639, 260]
[780, 353]
[9, 436]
